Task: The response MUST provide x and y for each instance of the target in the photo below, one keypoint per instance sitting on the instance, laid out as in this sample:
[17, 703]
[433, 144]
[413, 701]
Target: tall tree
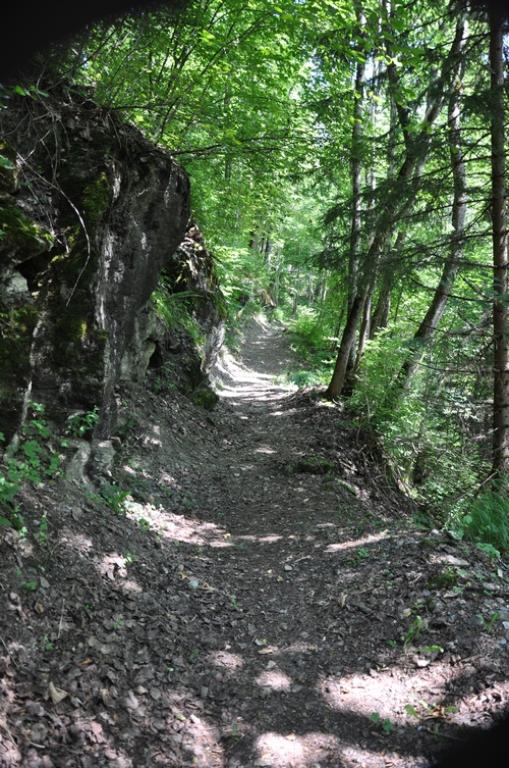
[426, 330]
[499, 235]
[399, 201]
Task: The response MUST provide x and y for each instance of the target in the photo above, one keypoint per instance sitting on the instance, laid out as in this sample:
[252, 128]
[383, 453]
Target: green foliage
[177, 309]
[244, 279]
[171, 307]
[257, 102]
[18, 231]
[8, 165]
[414, 631]
[314, 464]
[33, 461]
[30, 585]
[42, 533]
[490, 624]
[304, 378]
[144, 524]
[204, 397]
[484, 520]
[114, 496]
[96, 199]
[386, 725]
[306, 331]
[445, 579]
[163, 383]
[81, 424]
[47, 644]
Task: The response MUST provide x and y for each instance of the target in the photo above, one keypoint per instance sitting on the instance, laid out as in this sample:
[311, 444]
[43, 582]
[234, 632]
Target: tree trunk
[346, 366]
[499, 234]
[424, 334]
[397, 205]
[356, 167]
[380, 317]
[364, 333]
[347, 340]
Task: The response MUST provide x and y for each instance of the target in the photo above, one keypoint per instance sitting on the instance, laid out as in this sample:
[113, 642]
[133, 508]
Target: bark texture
[499, 234]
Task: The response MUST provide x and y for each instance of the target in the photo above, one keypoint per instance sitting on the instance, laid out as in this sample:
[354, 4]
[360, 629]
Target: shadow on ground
[244, 611]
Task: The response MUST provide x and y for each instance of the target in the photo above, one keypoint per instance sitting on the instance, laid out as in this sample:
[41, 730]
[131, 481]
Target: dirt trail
[250, 609]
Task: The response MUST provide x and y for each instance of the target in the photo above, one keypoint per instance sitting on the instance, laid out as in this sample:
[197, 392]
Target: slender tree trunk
[267, 250]
[227, 168]
[380, 317]
[339, 323]
[398, 118]
[364, 333]
[424, 334]
[499, 234]
[347, 340]
[356, 169]
[356, 221]
[397, 206]
[399, 202]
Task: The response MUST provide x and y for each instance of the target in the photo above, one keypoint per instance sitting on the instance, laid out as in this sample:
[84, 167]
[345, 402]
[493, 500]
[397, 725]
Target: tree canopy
[347, 166]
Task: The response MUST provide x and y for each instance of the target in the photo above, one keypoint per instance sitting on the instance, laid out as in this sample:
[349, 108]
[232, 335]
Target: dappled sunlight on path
[261, 601]
[253, 378]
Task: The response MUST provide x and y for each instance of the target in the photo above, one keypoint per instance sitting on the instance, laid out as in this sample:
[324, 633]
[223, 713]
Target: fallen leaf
[56, 694]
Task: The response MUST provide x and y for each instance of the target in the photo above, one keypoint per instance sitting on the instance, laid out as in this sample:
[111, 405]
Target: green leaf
[30, 585]
[6, 163]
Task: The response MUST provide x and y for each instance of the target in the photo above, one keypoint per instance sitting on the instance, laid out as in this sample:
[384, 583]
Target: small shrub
[484, 520]
[114, 497]
[314, 464]
[414, 631]
[385, 724]
[445, 579]
[82, 423]
[32, 461]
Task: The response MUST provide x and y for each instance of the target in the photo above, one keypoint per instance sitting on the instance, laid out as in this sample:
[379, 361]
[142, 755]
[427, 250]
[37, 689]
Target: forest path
[262, 600]
[304, 578]
[320, 579]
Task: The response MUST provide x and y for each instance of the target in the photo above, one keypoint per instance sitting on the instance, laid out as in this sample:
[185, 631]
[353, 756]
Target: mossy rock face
[20, 237]
[118, 206]
[314, 464]
[97, 198]
[205, 398]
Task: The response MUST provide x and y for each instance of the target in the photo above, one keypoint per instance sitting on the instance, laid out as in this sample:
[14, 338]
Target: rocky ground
[260, 598]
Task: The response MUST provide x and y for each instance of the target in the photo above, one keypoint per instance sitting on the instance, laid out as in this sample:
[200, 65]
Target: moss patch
[204, 398]
[20, 234]
[96, 199]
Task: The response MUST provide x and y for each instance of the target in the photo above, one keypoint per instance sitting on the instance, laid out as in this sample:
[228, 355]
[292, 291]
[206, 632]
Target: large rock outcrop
[90, 213]
[183, 344]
